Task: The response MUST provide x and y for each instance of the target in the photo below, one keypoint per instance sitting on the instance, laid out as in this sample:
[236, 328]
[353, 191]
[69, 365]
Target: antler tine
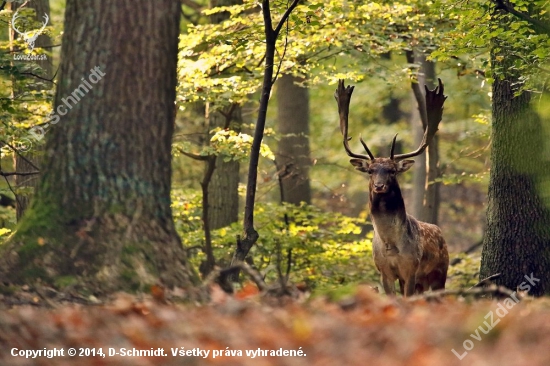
[343, 98]
[393, 146]
[434, 111]
[366, 147]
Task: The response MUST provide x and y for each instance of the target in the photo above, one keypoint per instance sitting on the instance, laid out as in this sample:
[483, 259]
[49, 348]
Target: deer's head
[383, 171]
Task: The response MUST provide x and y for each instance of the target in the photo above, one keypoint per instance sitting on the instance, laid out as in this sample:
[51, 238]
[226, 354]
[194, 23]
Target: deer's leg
[402, 286]
[388, 284]
[410, 285]
[422, 283]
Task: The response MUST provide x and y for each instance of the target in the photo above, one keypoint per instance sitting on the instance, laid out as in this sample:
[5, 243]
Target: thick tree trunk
[293, 157]
[517, 240]
[101, 218]
[26, 185]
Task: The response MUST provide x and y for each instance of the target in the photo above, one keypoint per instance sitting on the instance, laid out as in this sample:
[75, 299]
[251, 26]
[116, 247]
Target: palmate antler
[343, 98]
[434, 108]
[434, 111]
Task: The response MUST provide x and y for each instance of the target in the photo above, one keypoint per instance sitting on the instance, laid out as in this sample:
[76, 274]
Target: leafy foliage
[326, 247]
[25, 100]
[214, 67]
[228, 143]
[476, 33]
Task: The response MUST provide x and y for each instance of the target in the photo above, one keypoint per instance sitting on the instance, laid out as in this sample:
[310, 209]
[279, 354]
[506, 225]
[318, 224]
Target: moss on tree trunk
[517, 241]
[101, 218]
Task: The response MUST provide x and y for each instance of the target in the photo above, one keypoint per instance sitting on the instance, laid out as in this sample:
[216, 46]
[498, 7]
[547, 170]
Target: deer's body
[404, 249]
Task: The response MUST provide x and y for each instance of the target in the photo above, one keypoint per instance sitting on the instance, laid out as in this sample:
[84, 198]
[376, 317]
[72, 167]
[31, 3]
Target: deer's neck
[388, 209]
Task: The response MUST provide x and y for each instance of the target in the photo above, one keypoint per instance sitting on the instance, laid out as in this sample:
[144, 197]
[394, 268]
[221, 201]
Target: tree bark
[101, 218]
[250, 234]
[223, 190]
[293, 156]
[425, 197]
[431, 200]
[419, 169]
[517, 241]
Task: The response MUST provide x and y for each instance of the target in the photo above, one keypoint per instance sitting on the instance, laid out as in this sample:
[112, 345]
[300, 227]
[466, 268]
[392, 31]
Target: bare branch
[20, 155]
[285, 17]
[4, 174]
[251, 272]
[502, 5]
[475, 291]
[486, 281]
[283, 56]
[194, 156]
[193, 5]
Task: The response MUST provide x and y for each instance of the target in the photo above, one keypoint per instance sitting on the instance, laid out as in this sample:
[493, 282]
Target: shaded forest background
[125, 222]
[303, 160]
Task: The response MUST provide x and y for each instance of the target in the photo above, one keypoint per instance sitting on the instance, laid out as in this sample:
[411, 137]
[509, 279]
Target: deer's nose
[379, 186]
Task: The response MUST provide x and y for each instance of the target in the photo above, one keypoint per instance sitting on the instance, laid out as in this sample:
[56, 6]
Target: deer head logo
[29, 37]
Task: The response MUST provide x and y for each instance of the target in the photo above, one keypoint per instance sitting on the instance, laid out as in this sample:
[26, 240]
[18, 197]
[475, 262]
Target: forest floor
[359, 328]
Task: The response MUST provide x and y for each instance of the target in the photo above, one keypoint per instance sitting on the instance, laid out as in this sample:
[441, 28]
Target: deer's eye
[370, 171]
[392, 172]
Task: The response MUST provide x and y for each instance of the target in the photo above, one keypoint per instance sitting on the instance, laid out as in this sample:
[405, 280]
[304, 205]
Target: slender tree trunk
[26, 185]
[431, 200]
[101, 218]
[425, 201]
[293, 157]
[419, 172]
[517, 241]
[250, 234]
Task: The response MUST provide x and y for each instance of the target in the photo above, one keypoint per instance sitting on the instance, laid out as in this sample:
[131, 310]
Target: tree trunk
[26, 185]
[431, 200]
[425, 198]
[419, 170]
[101, 218]
[293, 158]
[224, 186]
[517, 241]
[223, 189]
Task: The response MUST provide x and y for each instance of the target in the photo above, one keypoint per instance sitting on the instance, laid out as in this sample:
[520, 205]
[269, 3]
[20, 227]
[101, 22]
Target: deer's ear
[360, 164]
[404, 165]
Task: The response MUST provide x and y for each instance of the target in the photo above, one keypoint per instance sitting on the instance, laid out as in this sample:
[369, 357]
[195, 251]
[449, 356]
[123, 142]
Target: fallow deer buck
[404, 249]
